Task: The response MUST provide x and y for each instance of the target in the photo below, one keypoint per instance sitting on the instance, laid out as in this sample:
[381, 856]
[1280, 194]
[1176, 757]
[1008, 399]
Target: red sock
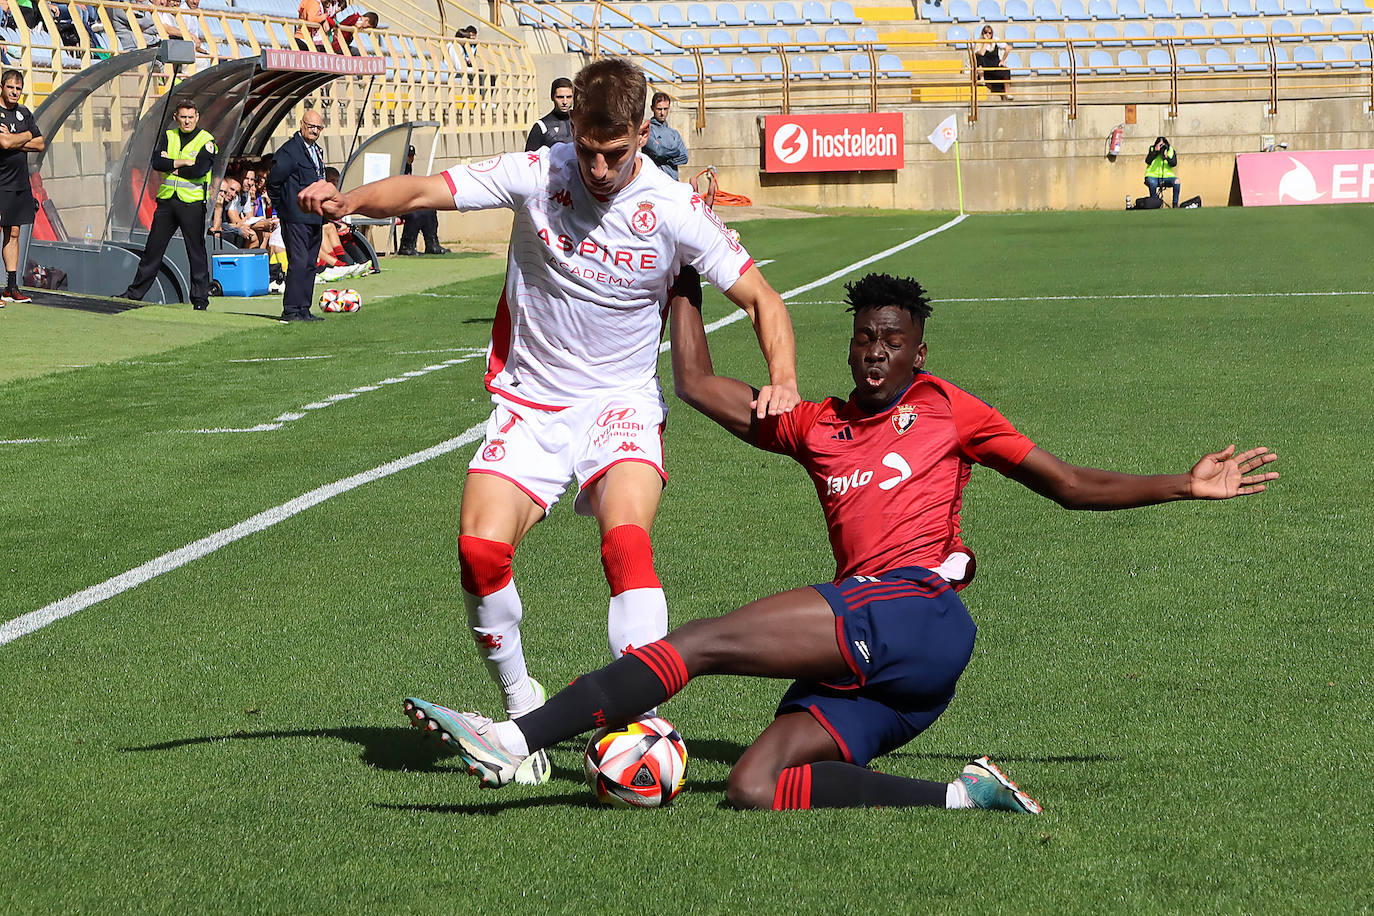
[794, 789]
[484, 565]
[628, 559]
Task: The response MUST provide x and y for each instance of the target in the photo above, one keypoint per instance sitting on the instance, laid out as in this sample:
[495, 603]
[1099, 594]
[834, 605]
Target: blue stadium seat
[1305, 56]
[1073, 10]
[1342, 24]
[1166, 30]
[685, 68]
[1158, 9]
[728, 14]
[748, 37]
[1135, 33]
[1013, 63]
[960, 11]
[1076, 31]
[1334, 56]
[662, 45]
[991, 11]
[1254, 30]
[860, 65]
[1101, 63]
[612, 18]
[786, 14]
[691, 38]
[1186, 9]
[1283, 30]
[1368, 24]
[1078, 61]
[642, 14]
[1019, 11]
[771, 67]
[838, 38]
[1241, 8]
[1310, 29]
[670, 17]
[1042, 64]
[744, 69]
[716, 69]
[778, 36]
[1218, 59]
[803, 67]
[832, 65]
[1359, 54]
[1129, 9]
[1157, 59]
[1048, 36]
[1197, 33]
[1325, 7]
[1101, 9]
[890, 65]
[1189, 61]
[1358, 7]
[636, 42]
[959, 35]
[1269, 7]
[1046, 10]
[1226, 32]
[842, 12]
[719, 38]
[1106, 34]
[758, 14]
[1213, 9]
[699, 15]
[1298, 8]
[933, 13]
[815, 13]
[1018, 36]
[1131, 62]
[1280, 58]
[809, 40]
[870, 35]
[1248, 58]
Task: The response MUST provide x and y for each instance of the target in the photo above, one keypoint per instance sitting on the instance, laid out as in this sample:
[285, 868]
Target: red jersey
[891, 484]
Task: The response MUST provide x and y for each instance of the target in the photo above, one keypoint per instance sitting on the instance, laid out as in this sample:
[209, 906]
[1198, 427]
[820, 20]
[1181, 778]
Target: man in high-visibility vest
[185, 157]
[1160, 163]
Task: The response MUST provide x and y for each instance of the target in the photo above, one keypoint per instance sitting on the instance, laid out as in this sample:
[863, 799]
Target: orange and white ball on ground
[639, 765]
[340, 300]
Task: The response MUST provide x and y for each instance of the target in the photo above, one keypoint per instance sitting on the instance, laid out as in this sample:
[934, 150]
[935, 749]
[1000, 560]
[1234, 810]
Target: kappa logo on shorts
[904, 418]
[628, 447]
[495, 450]
[613, 415]
[644, 221]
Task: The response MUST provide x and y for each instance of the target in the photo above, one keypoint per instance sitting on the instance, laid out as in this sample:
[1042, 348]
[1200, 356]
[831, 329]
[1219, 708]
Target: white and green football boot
[471, 735]
[535, 769]
[988, 787]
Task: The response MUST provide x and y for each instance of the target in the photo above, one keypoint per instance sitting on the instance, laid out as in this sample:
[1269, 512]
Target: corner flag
[945, 135]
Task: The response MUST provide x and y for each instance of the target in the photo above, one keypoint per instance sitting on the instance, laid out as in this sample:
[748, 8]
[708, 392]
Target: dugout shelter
[95, 189]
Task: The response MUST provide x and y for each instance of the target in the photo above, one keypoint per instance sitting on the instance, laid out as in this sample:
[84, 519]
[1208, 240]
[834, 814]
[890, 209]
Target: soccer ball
[639, 765]
[340, 300]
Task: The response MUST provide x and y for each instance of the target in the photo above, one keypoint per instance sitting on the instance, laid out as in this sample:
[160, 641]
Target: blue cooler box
[243, 273]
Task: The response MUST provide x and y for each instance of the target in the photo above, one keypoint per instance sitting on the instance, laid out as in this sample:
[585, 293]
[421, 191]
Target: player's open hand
[1224, 474]
[323, 198]
[775, 399]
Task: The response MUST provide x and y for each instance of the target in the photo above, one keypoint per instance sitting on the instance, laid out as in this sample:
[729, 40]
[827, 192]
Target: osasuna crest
[644, 220]
[904, 418]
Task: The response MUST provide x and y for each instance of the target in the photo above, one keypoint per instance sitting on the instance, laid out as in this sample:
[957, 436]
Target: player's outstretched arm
[728, 401]
[773, 326]
[1219, 475]
[388, 197]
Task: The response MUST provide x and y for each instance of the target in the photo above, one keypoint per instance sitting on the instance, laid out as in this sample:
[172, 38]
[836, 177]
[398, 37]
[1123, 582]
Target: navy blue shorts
[907, 637]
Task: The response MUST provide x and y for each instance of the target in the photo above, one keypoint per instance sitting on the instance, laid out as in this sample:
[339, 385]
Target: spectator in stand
[1160, 163]
[320, 15]
[991, 57]
[124, 33]
[19, 136]
[665, 146]
[172, 25]
[348, 27]
[418, 222]
[556, 126]
[29, 10]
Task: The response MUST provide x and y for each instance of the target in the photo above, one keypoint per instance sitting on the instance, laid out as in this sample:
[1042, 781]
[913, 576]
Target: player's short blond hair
[608, 97]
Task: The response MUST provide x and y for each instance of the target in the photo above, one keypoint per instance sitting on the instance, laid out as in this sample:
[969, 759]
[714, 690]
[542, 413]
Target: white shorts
[541, 451]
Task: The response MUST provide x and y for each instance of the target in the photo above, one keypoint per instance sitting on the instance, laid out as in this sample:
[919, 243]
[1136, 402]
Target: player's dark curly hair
[877, 290]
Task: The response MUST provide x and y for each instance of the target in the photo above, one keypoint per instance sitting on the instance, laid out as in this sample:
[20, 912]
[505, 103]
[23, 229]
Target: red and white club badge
[904, 418]
[644, 221]
[495, 450]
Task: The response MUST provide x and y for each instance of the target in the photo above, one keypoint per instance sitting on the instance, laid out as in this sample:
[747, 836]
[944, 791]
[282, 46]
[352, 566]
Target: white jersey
[587, 280]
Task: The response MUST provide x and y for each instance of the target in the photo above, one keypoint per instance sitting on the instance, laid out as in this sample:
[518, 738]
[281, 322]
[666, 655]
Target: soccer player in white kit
[598, 237]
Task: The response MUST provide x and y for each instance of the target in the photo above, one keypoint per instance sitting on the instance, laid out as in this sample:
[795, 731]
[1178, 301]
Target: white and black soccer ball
[639, 765]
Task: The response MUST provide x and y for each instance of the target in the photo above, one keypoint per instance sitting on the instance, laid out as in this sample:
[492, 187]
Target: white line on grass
[278, 359]
[1353, 292]
[65, 607]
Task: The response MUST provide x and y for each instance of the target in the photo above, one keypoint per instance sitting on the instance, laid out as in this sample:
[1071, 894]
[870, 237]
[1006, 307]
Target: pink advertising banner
[1311, 177]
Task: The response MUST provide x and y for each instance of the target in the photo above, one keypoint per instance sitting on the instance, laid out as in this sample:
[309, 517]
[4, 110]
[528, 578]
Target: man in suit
[298, 164]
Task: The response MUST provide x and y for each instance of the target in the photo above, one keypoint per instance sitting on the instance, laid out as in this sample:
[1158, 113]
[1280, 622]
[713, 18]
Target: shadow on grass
[581, 799]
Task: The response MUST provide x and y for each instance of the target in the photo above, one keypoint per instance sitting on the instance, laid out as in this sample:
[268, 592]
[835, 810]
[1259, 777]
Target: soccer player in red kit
[876, 652]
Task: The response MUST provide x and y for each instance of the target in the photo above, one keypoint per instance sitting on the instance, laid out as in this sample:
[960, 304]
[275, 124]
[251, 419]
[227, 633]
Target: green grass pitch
[1186, 689]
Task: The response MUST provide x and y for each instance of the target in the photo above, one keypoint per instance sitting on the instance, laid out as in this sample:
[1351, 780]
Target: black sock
[832, 784]
[611, 696]
[12, 279]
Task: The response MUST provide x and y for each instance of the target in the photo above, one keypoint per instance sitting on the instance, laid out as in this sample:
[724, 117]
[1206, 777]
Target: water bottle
[1128, 201]
[89, 236]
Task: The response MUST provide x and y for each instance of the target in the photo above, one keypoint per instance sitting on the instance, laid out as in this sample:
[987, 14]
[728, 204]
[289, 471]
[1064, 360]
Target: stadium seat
[1048, 36]
[1042, 64]
[860, 65]
[728, 14]
[1325, 7]
[758, 14]
[771, 67]
[1283, 30]
[1358, 7]
[1132, 62]
[1269, 7]
[868, 35]
[1298, 8]
[582, 14]
[959, 35]
[786, 14]
[1248, 58]
[1226, 32]
[1076, 31]
[815, 13]
[1073, 9]
[781, 37]
[991, 11]
[1078, 62]
[1101, 9]
[613, 18]
[934, 13]
[1018, 11]
[636, 43]
[748, 37]
[890, 65]
[960, 11]
[1368, 24]
[1254, 30]
[1311, 30]
[1046, 10]
[1218, 59]
[1158, 9]
[1129, 9]
[1136, 33]
[1241, 8]
[744, 69]
[1107, 36]
[714, 69]
[643, 15]
[1101, 63]
[1157, 59]
[670, 17]
[720, 38]
[803, 67]
[832, 66]
[1213, 9]
[1197, 33]
[1334, 56]
[1280, 58]
[1018, 36]
[1013, 63]
[699, 15]
[1185, 9]
[662, 45]
[842, 13]
[692, 39]
[1189, 61]
[810, 40]
[1342, 24]
[1305, 56]
[838, 38]
[1359, 54]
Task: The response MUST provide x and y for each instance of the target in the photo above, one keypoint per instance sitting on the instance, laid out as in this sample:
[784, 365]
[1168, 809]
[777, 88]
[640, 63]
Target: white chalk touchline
[65, 607]
[278, 359]
[1353, 292]
[281, 420]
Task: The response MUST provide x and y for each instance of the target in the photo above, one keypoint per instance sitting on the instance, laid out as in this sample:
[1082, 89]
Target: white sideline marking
[279, 421]
[22, 441]
[65, 607]
[278, 359]
[1353, 292]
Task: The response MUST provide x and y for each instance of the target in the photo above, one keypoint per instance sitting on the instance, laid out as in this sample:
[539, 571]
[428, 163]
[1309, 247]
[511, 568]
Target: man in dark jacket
[556, 126]
[419, 222]
[185, 156]
[298, 164]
